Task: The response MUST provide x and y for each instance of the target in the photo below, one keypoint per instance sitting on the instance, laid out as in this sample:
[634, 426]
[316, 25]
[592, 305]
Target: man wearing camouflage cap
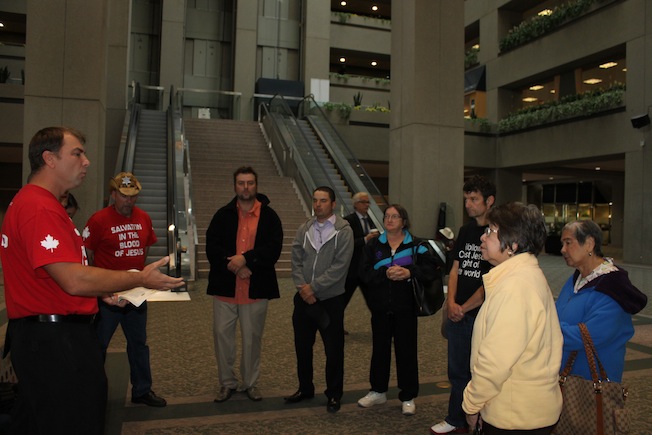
[118, 237]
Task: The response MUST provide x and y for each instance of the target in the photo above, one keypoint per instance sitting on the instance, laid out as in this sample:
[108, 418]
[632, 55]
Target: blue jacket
[605, 305]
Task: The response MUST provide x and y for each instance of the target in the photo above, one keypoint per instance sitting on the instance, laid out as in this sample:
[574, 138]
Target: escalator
[150, 167]
[153, 149]
[309, 149]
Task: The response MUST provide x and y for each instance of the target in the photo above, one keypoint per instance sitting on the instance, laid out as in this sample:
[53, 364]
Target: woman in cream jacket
[517, 341]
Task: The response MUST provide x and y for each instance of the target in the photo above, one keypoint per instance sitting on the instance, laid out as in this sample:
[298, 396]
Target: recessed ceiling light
[536, 87]
[2, 24]
[476, 46]
[592, 81]
[530, 99]
[342, 59]
[597, 168]
[545, 12]
[551, 178]
[343, 3]
[608, 65]
[552, 91]
[624, 69]
[374, 63]
[374, 8]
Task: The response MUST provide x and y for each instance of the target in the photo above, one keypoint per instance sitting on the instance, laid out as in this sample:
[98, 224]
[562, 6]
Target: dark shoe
[298, 397]
[224, 394]
[333, 405]
[150, 399]
[254, 394]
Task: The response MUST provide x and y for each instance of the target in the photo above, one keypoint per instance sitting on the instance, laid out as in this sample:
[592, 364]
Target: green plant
[539, 25]
[343, 17]
[483, 123]
[343, 109]
[4, 74]
[357, 99]
[471, 57]
[585, 104]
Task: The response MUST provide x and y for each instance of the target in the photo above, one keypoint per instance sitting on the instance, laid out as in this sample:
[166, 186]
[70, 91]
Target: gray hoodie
[325, 270]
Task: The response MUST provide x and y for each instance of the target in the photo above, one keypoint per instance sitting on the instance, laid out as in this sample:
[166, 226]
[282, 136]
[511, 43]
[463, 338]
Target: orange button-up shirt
[246, 239]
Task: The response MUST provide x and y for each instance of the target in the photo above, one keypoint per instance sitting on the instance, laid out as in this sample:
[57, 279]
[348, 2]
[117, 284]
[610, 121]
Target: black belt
[60, 318]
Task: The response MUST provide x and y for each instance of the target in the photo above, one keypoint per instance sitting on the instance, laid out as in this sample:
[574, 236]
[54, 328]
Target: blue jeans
[459, 366]
[134, 325]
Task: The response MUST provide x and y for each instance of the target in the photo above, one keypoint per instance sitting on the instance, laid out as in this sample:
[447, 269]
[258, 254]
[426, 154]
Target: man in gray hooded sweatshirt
[321, 253]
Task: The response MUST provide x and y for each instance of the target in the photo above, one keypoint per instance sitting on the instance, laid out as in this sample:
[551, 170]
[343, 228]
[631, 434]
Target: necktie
[366, 225]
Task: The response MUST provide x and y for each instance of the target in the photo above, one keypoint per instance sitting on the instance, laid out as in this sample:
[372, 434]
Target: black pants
[402, 330]
[307, 322]
[62, 387]
[492, 430]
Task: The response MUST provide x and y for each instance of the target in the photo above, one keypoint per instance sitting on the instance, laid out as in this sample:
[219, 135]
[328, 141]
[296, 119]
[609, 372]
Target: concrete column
[66, 81]
[117, 75]
[637, 232]
[172, 45]
[426, 164]
[246, 23]
[316, 46]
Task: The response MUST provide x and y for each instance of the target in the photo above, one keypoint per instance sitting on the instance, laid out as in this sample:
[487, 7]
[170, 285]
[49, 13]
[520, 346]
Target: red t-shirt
[36, 231]
[119, 242]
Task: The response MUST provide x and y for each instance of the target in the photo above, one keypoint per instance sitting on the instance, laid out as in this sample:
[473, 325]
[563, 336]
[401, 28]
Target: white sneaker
[444, 427]
[409, 408]
[372, 398]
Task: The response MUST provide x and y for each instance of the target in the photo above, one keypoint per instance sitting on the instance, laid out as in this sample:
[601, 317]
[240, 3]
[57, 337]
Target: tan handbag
[595, 406]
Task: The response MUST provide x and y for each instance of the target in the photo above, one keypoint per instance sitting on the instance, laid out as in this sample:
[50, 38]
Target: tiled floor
[183, 365]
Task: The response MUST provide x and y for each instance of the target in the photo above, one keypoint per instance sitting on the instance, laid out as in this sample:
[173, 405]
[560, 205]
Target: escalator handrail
[297, 152]
[349, 167]
[174, 265]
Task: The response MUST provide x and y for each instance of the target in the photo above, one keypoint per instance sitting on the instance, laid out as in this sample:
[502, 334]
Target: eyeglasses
[364, 201]
[488, 231]
[392, 217]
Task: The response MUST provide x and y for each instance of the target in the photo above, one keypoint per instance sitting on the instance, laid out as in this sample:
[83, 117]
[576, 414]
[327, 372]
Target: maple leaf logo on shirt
[50, 243]
[86, 233]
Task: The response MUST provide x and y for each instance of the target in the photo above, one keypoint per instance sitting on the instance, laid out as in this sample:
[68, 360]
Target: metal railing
[350, 168]
[293, 152]
[206, 103]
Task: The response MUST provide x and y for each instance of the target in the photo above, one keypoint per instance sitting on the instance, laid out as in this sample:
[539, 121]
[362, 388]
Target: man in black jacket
[243, 242]
[363, 231]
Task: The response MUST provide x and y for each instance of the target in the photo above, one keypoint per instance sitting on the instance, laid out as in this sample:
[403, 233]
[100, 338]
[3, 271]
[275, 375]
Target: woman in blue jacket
[600, 295]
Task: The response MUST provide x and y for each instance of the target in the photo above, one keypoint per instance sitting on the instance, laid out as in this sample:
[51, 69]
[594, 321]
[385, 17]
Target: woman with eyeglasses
[387, 268]
[517, 342]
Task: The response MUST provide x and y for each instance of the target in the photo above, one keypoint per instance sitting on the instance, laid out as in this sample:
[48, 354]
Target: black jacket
[221, 243]
[358, 245]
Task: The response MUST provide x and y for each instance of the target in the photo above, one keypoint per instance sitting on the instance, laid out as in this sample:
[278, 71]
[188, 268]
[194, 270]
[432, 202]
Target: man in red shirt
[118, 237]
[51, 295]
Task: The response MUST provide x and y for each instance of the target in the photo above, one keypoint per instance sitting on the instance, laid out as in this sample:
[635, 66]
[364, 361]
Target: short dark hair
[245, 170]
[330, 191]
[519, 224]
[480, 184]
[584, 229]
[49, 139]
[72, 202]
[402, 212]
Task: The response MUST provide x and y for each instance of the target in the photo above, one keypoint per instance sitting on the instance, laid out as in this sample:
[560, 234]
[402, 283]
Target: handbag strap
[438, 250]
[592, 357]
